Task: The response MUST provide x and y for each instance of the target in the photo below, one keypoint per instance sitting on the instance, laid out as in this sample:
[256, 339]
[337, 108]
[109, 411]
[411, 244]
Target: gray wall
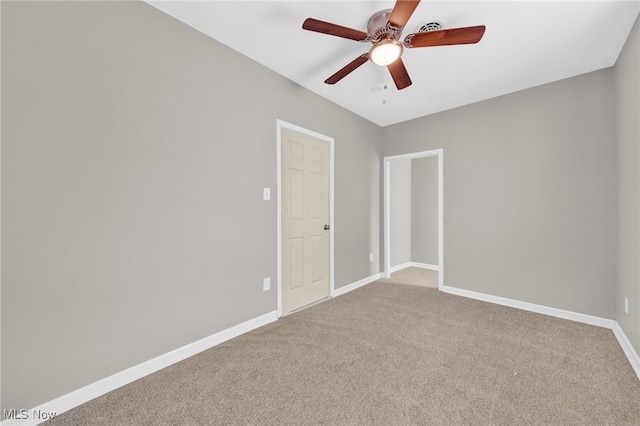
[627, 111]
[529, 192]
[134, 153]
[400, 233]
[414, 211]
[424, 210]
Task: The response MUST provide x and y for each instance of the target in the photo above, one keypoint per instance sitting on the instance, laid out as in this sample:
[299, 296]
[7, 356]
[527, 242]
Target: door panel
[296, 264]
[318, 260]
[305, 212]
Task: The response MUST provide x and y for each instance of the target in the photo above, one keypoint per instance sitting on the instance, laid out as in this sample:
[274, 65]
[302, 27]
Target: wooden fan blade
[318, 26]
[399, 74]
[402, 11]
[348, 69]
[467, 35]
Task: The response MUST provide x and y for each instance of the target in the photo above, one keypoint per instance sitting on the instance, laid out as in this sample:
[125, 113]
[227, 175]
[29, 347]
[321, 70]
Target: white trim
[387, 269]
[280, 124]
[399, 267]
[406, 265]
[386, 264]
[350, 287]
[101, 387]
[332, 271]
[629, 351]
[531, 307]
[278, 218]
[424, 266]
[440, 219]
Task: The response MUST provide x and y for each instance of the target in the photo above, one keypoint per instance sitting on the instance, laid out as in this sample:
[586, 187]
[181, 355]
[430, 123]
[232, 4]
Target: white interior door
[305, 219]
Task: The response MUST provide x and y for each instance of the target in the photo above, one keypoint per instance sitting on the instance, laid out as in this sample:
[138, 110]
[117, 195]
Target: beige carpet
[389, 355]
[414, 276]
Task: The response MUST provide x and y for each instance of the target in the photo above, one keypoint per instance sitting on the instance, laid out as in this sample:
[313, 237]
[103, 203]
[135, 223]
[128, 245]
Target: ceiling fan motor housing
[378, 28]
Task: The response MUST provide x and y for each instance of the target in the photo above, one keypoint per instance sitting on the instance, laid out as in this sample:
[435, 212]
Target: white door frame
[387, 209]
[280, 124]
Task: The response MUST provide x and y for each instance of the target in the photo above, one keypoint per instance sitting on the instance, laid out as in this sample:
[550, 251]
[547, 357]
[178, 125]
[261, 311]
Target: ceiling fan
[384, 31]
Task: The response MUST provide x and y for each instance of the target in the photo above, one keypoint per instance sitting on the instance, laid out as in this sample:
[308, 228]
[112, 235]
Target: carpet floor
[389, 355]
[413, 276]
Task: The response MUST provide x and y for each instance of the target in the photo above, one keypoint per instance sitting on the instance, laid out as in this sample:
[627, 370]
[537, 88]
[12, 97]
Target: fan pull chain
[385, 71]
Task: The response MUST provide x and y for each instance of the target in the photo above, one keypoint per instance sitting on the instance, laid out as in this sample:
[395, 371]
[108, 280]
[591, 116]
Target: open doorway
[400, 251]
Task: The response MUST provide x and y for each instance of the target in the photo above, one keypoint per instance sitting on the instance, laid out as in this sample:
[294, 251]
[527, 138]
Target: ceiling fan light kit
[385, 52]
[384, 31]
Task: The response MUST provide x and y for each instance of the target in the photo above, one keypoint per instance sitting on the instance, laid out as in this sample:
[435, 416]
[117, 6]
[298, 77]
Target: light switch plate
[266, 284]
[266, 194]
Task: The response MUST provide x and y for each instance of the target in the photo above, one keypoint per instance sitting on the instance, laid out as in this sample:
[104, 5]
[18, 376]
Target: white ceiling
[526, 43]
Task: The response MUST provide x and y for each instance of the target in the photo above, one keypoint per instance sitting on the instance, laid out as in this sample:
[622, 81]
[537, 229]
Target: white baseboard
[425, 266]
[399, 267]
[629, 351]
[101, 387]
[350, 287]
[627, 348]
[405, 265]
[531, 307]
